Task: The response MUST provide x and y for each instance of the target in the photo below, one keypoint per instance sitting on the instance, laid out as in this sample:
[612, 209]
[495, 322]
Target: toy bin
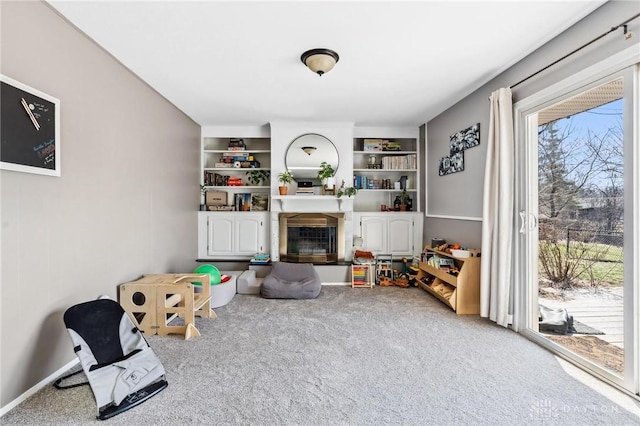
[222, 293]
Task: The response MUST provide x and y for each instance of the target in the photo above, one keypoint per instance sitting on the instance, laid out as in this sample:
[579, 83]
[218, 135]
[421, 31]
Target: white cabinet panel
[237, 235]
[249, 238]
[399, 234]
[220, 235]
[374, 233]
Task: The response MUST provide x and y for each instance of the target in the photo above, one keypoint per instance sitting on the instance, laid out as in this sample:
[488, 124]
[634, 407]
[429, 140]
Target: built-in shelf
[386, 190]
[377, 168]
[236, 187]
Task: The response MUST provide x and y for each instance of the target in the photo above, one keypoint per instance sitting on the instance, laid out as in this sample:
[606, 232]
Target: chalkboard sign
[29, 129]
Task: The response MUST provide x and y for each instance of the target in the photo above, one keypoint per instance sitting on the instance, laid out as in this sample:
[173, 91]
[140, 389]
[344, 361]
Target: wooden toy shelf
[462, 292]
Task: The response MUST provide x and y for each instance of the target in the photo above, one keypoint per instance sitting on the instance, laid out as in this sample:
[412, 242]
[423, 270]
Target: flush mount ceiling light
[309, 149]
[320, 61]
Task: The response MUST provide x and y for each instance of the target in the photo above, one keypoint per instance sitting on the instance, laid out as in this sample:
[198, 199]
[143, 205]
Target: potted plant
[203, 196]
[349, 191]
[285, 178]
[325, 175]
[256, 177]
[405, 201]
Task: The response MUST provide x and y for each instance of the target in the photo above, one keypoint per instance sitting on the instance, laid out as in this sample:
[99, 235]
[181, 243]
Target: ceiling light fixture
[309, 149]
[320, 61]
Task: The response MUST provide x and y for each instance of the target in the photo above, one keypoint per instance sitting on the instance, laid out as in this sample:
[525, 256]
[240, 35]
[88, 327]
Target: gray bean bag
[291, 281]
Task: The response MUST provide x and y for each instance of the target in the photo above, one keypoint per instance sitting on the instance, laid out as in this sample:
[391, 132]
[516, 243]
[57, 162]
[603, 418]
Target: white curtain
[497, 212]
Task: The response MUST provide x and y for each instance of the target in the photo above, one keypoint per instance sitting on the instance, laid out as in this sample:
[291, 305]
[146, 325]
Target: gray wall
[125, 205]
[460, 194]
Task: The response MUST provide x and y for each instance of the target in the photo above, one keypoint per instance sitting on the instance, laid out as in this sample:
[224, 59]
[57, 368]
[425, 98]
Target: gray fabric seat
[291, 281]
[555, 320]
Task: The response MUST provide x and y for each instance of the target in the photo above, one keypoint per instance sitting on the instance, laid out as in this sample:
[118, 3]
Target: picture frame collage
[458, 143]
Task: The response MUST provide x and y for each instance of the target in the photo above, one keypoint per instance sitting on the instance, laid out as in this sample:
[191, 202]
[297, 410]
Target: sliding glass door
[579, 208]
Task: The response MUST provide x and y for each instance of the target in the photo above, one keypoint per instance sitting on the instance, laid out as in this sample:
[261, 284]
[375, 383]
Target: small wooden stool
[155, 300]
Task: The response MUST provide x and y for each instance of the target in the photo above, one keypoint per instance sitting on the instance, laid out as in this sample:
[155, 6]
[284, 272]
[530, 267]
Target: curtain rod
[623, 24]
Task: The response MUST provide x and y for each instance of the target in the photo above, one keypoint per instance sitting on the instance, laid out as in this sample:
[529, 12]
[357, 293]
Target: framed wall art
[459, 142]
[260, 202]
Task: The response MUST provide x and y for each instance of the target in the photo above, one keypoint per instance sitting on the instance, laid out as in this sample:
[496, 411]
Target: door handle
[525, 224]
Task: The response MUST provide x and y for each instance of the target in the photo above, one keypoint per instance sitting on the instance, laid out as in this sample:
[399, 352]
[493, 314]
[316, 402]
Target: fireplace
[312, 237]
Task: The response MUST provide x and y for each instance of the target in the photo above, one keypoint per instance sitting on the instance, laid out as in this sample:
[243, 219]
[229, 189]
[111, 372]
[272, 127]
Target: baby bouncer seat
[121, 368]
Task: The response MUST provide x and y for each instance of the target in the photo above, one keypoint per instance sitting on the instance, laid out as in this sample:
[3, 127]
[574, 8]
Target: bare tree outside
[580, 190]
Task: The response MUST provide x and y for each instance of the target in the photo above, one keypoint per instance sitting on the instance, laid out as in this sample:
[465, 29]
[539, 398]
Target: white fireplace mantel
[302, 203]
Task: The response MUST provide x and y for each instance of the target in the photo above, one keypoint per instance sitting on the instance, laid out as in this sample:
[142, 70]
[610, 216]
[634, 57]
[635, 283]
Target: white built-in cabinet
[227, 168]
[239, 235]
[396, 233]
[232, 235]
[375, 173]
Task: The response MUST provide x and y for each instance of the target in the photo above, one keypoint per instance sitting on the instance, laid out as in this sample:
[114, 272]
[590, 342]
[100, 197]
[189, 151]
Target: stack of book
[304, 191]
[236, 144]
[260, 259]
[232, 156]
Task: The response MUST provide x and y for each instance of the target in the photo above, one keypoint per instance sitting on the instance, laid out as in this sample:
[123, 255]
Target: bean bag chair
[291, 281]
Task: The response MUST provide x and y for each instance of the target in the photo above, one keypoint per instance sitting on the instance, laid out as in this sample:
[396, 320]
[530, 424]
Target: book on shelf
[223, 165]
[233, 156]
[304, 191]
[260, 258]
[236, 144]
[233, 181]
[242, 202]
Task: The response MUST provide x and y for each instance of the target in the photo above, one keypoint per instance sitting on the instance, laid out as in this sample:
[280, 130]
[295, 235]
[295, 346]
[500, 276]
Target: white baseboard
[10, 406]
[441, 216]
[336, 283]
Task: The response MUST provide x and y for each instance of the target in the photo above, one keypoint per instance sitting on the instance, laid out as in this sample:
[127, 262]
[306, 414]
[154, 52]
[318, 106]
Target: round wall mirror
[305, 154]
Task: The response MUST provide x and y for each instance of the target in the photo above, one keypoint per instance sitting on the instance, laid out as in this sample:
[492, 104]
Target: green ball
[210, 270]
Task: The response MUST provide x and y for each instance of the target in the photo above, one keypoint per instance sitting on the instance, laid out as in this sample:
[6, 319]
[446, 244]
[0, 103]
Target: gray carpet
[351, 357]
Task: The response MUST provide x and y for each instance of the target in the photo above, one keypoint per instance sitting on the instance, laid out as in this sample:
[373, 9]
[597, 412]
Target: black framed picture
[30, 131]
[451, 164]
[465, 139]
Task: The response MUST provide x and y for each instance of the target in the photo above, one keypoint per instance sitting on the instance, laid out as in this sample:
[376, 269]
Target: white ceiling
[238, 63]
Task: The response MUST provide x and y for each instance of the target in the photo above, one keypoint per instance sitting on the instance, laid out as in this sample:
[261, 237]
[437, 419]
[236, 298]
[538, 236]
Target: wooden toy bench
[155, 300]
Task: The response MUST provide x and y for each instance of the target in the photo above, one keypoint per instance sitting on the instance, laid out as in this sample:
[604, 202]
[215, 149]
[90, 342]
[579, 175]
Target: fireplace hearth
[312, 237]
